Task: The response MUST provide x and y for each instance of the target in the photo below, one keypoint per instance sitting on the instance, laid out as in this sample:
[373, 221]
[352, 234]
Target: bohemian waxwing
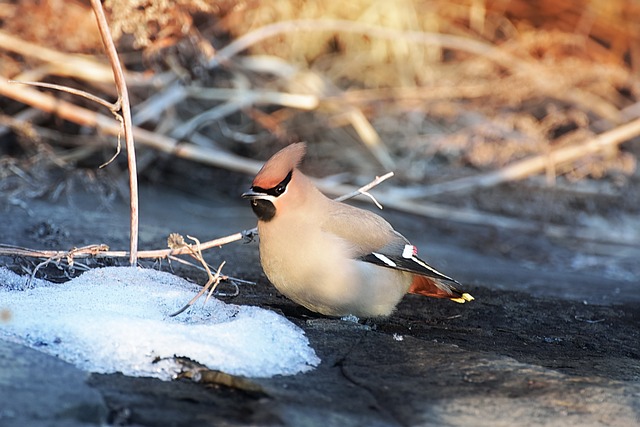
[330, 257]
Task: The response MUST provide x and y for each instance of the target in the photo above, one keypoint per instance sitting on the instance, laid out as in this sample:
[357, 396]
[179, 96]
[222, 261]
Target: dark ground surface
[548, 341]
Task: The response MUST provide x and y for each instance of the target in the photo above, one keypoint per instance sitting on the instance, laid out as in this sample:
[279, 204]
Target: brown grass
[531, 78]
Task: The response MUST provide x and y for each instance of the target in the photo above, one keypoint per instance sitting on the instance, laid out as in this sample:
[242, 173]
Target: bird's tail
[436, 288]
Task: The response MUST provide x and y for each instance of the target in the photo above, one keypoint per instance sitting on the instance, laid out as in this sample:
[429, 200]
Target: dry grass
[440, 89]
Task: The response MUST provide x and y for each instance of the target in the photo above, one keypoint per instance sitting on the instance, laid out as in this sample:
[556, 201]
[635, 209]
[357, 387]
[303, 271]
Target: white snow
[116, 319]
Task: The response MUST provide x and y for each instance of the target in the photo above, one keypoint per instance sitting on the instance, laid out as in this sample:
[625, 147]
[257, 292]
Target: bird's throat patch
[264, 209]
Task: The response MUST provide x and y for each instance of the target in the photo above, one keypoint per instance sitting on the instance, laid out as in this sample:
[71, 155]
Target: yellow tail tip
[463, 298]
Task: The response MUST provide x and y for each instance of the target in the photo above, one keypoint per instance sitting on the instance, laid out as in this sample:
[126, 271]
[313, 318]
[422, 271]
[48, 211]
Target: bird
[330, 257]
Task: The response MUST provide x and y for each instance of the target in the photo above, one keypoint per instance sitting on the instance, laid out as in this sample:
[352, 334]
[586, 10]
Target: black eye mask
[278, 189]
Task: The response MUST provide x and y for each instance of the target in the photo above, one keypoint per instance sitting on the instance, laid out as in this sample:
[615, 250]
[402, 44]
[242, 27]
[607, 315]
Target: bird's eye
[279, 189]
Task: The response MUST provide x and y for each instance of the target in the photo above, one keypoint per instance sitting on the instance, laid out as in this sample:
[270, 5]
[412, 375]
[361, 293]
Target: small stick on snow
[211, 283]
[177, 241]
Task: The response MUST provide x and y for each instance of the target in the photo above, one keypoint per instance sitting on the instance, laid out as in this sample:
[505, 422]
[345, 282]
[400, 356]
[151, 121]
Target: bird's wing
[404, 258]
[426, 280]
[364, 231]
[374, 240]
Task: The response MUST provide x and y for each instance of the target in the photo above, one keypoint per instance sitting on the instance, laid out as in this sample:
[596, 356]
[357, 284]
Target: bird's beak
[251, 195]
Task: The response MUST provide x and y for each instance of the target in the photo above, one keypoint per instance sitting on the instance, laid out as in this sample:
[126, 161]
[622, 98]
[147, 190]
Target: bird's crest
[279, 165]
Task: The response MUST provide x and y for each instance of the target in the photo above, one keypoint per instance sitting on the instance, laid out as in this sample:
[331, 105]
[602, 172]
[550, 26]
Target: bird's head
[271, 186]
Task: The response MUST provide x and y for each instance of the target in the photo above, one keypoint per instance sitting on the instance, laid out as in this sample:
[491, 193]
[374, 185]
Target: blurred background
[511, 123]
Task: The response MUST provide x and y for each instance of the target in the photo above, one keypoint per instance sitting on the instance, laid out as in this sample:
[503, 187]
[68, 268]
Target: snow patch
[116, 319]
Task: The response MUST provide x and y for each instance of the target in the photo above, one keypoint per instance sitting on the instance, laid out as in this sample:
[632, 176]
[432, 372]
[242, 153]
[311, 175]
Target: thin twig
[216, 281]
[70, 90]
[175, 241]
[373, 199]
[102, 251]
[365, 188]
[123, 100]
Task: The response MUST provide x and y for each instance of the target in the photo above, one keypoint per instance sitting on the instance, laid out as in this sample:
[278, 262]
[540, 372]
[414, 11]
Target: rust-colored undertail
[435, 288]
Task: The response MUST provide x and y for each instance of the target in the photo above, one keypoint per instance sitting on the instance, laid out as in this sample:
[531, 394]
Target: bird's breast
[316, 269]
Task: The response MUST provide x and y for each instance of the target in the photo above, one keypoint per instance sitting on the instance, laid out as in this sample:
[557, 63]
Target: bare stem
[123, 102]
